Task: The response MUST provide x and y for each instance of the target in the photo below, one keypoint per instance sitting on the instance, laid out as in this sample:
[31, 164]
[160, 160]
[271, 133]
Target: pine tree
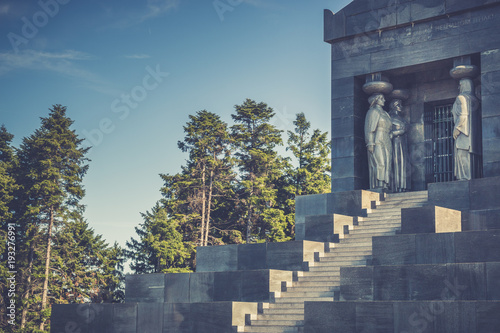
[8, 227]
[255, 140]
[160, 247]
[312, 153]
[209, 165]
[52, 162]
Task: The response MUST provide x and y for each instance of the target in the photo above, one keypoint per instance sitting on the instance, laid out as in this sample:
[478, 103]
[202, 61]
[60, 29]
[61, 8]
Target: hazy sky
[130, 73]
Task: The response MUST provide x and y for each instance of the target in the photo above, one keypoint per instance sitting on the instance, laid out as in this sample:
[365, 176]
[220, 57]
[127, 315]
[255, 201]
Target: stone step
[336, 253]
[287, 305]
[345, 257]
[330, 279]
[304, 288]
[283, 311]
[333, 283]
[336, 250]
[374, 231]
[407, 195]
[273, 329]
[303, 299]
[289, 317]
[374, 222]
[399, 204]
[340, 262]
[362, 246]
[305, 294]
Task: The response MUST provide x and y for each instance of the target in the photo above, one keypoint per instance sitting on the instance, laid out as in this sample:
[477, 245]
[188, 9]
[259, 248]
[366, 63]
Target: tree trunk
[27, 292]
[47, 266]
[203, 199]
[209, 206]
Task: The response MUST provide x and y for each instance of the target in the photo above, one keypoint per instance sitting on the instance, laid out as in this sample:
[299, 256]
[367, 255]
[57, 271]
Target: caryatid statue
[400, 158]
[378, 128]
[466, 131]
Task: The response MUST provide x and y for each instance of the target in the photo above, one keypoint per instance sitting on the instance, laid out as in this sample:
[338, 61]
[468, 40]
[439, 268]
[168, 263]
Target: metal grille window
[438, 131]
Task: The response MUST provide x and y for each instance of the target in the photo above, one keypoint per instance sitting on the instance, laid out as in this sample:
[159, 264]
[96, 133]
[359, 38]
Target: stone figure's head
[396, 105]
[466, 86]
[376, 99]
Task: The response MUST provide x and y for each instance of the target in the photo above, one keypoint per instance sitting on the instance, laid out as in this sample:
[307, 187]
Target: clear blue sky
[130, 73]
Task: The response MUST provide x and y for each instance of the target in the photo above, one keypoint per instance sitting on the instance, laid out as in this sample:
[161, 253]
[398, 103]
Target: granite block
[344, 87]
[376, 317]
[477, 246]
[485, 193]
[487, 316]
[491, 169]
[220, 258]
[394, 250]
[334, 25]
[252, 256]
[286, 256]
[490, 61]
[455, 317]
[425, 9]
[491, 127]
[326, 317]
[320, 228]
[466, 282]
[177, 287]
[454, 195]
[351, 66]
[212, 317]
[145, 288]
[345, 126]
[177, 318]
[459, 5]
[228, 286]
[493, 280]
[343, 106]
[435, 248]
[150, 317]
[100, 317]
[124, 318]
[70, 317]
[348, 184]
[487, 219]
[356, 283]
[201, 287]
[414, 317]
[343, 167]
[426, 282]
[390, 283]
[254, 286]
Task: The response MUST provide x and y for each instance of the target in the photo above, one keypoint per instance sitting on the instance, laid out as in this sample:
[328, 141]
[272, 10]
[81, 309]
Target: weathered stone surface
[327, 317]
[394, 250]
[356, 283]
[201, 287]
[100, 317]
[374, 317]
[145, 288]
[468, 280]
[485, 193]
[454, 317]
[477, 246]
[320, 228]
[493, 280]
[217, 258]
[177, 318]
[252, 256]
[487, 316]
[390, 283]
[72, 317]
[177, 287]
[150, 317]
[435, 248]
[488, 219]
[426, 282]
[454, 195]
[430, 219]
[124, 318]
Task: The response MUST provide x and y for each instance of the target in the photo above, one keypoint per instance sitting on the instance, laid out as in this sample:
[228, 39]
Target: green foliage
[160, 247]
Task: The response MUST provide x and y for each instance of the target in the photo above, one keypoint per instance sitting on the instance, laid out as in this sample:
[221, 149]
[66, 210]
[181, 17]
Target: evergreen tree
[160, 247]
[312, 153]
[255, 140]
[8, 188]
[209, 165]
[52, 165]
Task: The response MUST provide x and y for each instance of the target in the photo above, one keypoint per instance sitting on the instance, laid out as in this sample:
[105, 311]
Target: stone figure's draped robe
[378, 126]
[464, 117]
[399, 181]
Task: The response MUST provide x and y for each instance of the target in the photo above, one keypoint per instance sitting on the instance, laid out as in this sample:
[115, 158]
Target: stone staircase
[322, 281]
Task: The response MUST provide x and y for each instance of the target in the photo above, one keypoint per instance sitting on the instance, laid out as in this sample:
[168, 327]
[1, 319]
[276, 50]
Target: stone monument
[423, 259]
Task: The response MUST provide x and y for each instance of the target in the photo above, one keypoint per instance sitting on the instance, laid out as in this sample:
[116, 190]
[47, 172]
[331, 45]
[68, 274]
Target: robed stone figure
[399, 180]
[466, 131]
[378, 125]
